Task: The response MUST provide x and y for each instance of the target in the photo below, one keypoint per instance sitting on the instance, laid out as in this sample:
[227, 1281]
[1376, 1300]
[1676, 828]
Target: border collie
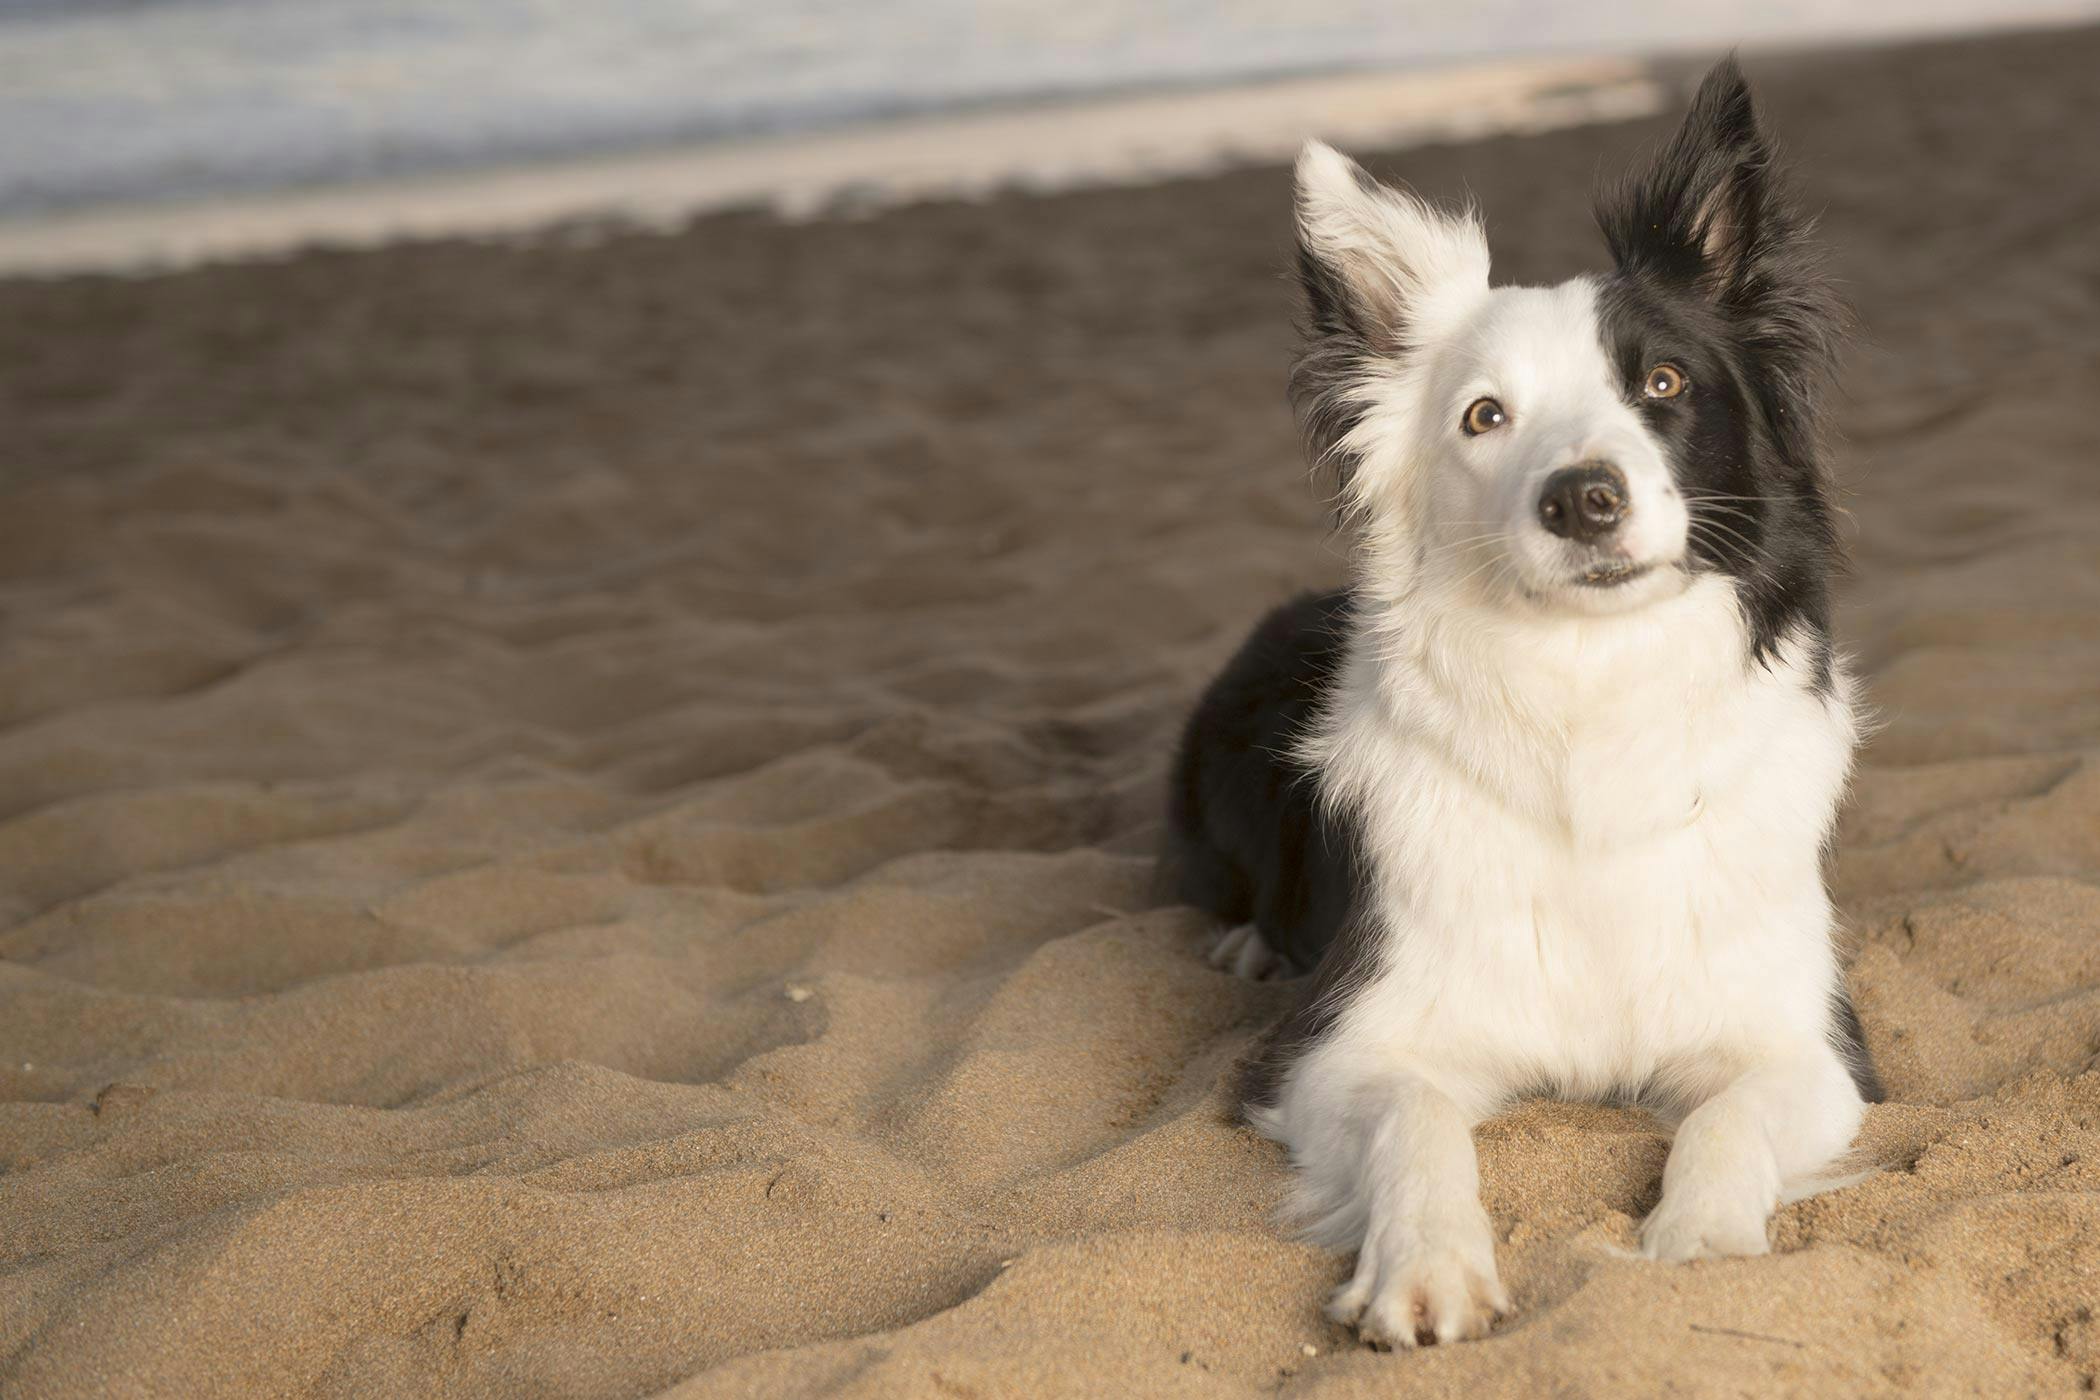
[1541, 799]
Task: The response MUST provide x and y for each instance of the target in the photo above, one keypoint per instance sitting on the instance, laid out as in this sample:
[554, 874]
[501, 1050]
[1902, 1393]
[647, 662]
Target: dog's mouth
[1611, 573]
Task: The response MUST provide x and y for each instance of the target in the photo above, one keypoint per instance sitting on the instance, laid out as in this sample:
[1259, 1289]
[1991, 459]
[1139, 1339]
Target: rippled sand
[577, 820]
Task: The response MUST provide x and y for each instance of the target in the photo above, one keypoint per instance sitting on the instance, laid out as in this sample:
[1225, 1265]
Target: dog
[1541, 799]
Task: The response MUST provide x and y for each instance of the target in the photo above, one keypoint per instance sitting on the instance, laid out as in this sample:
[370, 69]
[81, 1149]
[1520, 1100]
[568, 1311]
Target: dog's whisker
[1494, 562]
[1710, 529]
[1738, 511]
[1454, 546]
[1702, 510]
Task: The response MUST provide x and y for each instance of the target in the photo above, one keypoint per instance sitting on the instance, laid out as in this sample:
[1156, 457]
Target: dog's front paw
[1441, 1288]
[1705, 1223]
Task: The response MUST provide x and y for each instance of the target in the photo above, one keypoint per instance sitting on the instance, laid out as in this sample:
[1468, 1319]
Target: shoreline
[1043, 147]
[1040, 146]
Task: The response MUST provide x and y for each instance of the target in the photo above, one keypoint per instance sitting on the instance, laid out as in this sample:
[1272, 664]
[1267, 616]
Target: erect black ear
[1710, 214]
[1707, 208]
[1702, 206]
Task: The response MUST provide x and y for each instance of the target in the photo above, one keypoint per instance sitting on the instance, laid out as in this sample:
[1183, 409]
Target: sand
[577, 820]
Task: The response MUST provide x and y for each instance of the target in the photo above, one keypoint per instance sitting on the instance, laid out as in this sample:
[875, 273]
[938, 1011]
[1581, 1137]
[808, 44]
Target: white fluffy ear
[1377, 260]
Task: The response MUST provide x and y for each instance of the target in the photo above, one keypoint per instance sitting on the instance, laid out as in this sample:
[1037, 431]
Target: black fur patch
[1852, 1045]
[1336, 344]
[1716, 274]
[1349, 963]
[1250, 840]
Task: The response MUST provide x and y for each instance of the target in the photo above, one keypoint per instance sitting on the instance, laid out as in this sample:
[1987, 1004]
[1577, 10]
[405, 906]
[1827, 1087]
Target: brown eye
[1483, 416]
[1664, 382]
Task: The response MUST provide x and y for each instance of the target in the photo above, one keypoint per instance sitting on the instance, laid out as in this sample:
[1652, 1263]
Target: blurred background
[113, 104]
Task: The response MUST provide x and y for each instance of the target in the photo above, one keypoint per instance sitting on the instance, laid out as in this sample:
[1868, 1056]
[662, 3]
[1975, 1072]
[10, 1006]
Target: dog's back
[1250, 841]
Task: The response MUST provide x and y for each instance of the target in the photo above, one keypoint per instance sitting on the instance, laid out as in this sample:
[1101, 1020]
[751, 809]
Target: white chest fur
[1594, 846]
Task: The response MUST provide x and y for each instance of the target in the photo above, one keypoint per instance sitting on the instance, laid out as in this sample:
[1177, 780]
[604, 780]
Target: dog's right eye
[1483, 416]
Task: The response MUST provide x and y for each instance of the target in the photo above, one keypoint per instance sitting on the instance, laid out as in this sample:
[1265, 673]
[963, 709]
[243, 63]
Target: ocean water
[133, 100]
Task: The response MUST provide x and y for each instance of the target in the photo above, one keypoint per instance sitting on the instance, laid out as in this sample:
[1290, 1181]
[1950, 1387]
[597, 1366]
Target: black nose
[1583, 502]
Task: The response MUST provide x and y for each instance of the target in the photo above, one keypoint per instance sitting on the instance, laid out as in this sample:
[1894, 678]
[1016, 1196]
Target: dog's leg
[1426, 1268]
[1780, 1122]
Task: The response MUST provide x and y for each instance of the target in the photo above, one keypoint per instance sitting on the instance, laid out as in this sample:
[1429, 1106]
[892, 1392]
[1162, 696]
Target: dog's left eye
[1664, 382]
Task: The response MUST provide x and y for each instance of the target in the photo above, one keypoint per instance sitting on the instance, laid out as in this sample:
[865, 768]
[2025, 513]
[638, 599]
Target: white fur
[1593, 826]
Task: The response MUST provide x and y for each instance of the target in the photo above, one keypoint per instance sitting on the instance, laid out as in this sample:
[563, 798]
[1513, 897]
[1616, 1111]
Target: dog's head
[1591, 447]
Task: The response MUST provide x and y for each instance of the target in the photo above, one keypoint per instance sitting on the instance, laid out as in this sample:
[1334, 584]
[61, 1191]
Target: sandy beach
[577, 819]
